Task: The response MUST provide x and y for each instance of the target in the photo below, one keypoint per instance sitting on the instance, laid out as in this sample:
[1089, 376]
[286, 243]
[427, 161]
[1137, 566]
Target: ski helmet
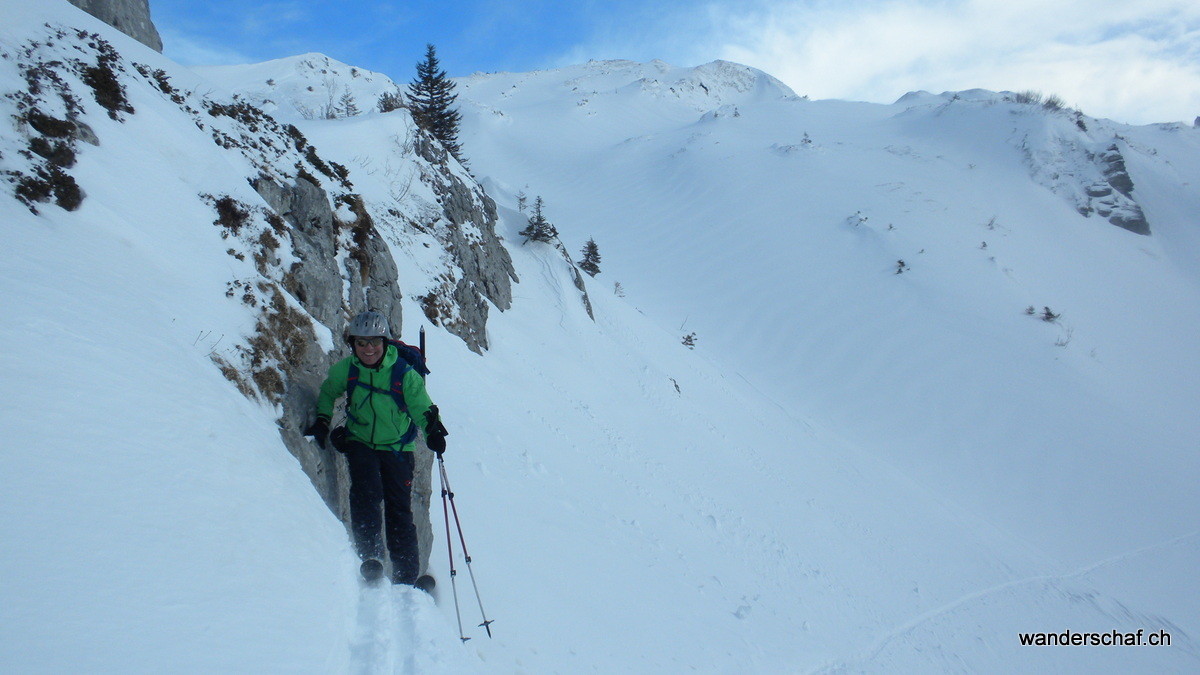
[369, 324]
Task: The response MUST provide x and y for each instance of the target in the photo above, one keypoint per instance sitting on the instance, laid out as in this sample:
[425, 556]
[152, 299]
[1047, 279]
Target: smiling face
[369, 350]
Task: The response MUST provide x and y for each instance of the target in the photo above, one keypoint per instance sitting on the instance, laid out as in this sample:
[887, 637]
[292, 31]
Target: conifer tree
[389, 101]
[539, 229]
[431, 97]
[591, 258]
[347, 105]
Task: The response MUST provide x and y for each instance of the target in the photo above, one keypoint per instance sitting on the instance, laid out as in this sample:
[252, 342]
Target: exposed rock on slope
[131, 17]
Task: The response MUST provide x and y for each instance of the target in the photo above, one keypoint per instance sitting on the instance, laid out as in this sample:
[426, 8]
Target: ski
[426, 583]
[371, 569]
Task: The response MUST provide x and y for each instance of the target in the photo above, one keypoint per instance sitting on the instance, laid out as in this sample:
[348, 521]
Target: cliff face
[417, 195]
[131, 17]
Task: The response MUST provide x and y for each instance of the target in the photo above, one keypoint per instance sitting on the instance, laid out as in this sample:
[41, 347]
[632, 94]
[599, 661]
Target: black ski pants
[383, 476]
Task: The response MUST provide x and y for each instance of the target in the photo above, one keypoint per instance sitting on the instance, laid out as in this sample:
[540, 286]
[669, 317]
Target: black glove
[436, 443]
[319, 430]
[338, 438]
[435, 431]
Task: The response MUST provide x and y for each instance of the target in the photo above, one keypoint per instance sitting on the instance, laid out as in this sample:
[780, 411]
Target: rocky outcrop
[476, 274]
[131, 17]
[367, 278]
[1113, 198]
[347, 267]
[577, 277]
[470, 238]
[344, 266]
[1092, 175]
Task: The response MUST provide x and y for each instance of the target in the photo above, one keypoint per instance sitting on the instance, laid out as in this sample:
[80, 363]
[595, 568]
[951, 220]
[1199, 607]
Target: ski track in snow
[398, 630]
[1124, 619]
[373, 646]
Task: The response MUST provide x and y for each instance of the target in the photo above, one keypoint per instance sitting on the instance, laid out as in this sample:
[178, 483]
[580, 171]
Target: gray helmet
[369, 324]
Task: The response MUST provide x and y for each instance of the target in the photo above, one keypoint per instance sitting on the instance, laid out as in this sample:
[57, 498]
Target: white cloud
[1136, 62]
[1132, 61]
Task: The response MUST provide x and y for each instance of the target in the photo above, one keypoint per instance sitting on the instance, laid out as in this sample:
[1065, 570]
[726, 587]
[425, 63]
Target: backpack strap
[352, 382]
[399, 369]
[408, 358]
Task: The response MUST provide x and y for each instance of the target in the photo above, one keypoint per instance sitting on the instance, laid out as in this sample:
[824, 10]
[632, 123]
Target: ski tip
[427, 584]
[371, 569]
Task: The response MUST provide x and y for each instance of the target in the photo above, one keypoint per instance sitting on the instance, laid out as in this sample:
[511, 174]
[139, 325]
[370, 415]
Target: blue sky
[1135, 61]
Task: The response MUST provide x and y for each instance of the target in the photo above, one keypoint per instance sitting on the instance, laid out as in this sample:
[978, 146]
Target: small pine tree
[431, 96]
[591, 258]
[618, 289]
[539, 229]
[689, 340]
[522, 201]
[347, 106]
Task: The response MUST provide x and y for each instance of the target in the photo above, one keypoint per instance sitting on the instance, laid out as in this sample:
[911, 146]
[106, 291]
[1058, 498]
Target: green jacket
[372, 415]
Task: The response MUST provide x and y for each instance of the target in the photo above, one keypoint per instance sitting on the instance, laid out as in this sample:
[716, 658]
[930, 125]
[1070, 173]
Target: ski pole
[450, 552]
[487, 623]
[446, 518]
[448, 493]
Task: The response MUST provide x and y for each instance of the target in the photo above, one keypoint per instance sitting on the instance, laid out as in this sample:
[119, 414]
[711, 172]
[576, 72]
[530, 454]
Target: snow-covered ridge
[701, 88]
[308, 86]
[923, 97]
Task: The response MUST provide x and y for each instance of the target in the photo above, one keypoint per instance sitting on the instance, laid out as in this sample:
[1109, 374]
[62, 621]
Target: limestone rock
[131, 17]
[471, 240]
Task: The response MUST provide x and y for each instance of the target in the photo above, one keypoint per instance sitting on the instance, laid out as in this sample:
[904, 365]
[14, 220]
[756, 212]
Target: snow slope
[736, 226]
[856, 470]
[772, 227]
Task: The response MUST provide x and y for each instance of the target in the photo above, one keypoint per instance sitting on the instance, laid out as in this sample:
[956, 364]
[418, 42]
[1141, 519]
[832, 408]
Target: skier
[385, 402]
